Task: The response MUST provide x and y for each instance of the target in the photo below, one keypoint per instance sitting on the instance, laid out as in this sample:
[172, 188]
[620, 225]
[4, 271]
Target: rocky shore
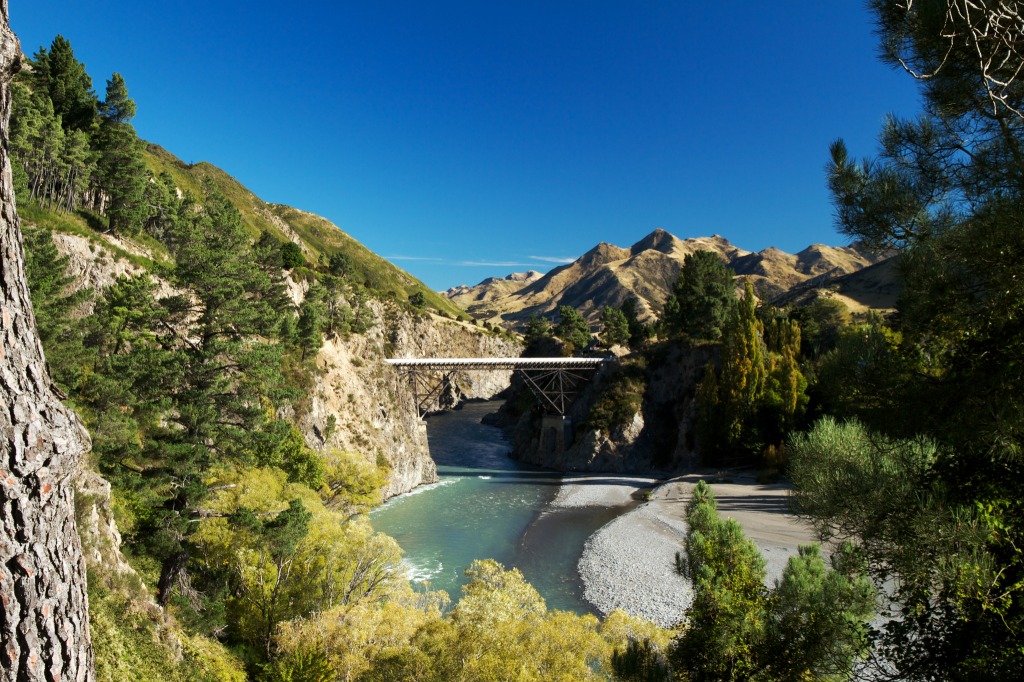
[629, 563]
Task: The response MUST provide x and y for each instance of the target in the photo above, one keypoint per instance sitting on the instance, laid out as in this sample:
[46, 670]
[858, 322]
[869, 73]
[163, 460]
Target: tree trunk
[44, 629]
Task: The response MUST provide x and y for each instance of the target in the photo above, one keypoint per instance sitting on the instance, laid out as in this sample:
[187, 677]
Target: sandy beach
[630, 562]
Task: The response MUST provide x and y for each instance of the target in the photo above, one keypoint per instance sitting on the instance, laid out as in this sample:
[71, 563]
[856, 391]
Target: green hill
[317, 236]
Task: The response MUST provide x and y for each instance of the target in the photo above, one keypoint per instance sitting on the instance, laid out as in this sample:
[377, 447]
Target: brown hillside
[609, 275]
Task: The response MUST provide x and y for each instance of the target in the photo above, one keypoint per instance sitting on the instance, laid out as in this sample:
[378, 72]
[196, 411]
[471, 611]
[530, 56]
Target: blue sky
[464, 139]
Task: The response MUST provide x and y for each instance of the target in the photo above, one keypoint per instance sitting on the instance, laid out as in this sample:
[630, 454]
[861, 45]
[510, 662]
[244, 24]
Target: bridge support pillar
[555, 433]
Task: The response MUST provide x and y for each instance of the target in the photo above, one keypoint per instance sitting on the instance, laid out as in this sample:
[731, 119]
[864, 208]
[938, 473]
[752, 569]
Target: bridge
[555, 382]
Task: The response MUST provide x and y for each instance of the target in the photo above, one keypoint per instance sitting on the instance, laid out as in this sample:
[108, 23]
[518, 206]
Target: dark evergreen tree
[68, 85]
[572, 328]
[122, 171]
[705, 294]
[55, 304]
[616, 327]
[312, 313]
[291, 256]
[339, 264]
[639, 332]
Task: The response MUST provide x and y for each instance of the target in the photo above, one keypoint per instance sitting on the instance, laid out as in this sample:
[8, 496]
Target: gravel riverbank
[630, 562]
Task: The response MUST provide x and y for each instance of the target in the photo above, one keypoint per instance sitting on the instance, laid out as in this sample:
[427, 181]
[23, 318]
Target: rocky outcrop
[95, 266]
[660, 437]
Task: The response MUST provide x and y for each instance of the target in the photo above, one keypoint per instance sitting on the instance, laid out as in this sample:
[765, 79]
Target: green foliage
[417, 299]
[130, 643]
[760, 394]
[339, 264]
[63, 78]
[615, 330]
[354, 483]
[945, 191]
[291, 256]
[309, 329]
[640, 661]
[887, 497]
[122, 173]
[812, 625]
[53, 302]
[821, 323]
[537, 328]
[572, 328]
[727, 615]
[620, 398]
[639, 332]
[702, 299]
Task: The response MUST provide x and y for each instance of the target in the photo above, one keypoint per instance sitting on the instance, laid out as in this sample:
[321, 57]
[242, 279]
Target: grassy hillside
[318, 236]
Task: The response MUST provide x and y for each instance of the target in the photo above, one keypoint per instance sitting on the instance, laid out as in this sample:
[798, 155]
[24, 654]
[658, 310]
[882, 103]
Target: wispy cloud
[420, 258]
[491, 264]
[552, 259]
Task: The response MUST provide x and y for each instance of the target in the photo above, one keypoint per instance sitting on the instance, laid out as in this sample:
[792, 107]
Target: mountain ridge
[608, 275]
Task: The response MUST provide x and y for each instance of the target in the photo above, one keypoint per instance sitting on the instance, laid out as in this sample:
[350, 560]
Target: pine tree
[704, 293]
[68, 85]
[616, 327]
[572, 328]
[44, 620]
[121, 168]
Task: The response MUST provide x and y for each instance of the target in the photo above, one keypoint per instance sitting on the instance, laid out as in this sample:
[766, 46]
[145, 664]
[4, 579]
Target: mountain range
[608, 275]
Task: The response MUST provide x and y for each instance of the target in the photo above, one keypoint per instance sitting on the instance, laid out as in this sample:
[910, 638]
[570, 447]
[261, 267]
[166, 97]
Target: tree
[572, 328]
[45, 609]
[947, 191]
[53, 304]
[616, 327]
[340, 264]
[309, 329]
[291, 256]
[729, 415]
[121, 168]
[639, 332]
[811, 625]
[417, 299]
[68, 85]
[704, 295]
[726, 618]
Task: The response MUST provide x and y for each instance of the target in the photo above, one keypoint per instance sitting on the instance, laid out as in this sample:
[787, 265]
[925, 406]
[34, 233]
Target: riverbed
[589, 543]
[488, 506]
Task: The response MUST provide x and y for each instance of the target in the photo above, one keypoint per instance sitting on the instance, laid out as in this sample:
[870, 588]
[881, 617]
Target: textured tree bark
[44, 628]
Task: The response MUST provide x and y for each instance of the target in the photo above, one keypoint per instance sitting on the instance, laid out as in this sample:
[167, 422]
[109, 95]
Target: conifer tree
[68, 85]
[702, 297]
[616, 327]
[44, 620]
[121, 168]
[572, 328]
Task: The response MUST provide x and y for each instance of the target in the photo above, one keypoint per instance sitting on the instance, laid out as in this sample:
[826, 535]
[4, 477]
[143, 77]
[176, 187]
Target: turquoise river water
[487, 506]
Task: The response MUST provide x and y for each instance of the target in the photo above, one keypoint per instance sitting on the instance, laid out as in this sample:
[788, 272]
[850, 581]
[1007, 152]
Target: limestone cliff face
[357, 403]
[660, 437]
[360, 404]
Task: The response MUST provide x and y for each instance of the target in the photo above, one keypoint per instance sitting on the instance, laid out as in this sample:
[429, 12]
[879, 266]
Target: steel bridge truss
[555, 382]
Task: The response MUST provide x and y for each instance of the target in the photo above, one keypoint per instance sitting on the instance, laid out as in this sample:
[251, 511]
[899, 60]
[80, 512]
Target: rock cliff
[360, 404]
[357, 402]
[658, 436]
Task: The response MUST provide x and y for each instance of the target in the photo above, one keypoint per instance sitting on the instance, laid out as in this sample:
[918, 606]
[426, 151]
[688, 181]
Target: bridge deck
[554, 381]
[496, 363]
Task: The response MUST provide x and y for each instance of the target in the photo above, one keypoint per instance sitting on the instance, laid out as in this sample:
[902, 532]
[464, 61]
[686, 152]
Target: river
[487, 506]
